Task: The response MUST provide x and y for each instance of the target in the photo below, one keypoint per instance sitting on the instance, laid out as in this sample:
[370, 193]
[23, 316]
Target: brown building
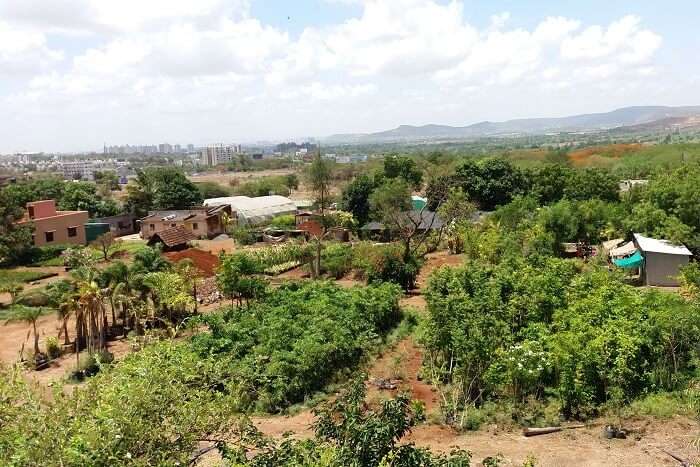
[52, 227]
[205, 222]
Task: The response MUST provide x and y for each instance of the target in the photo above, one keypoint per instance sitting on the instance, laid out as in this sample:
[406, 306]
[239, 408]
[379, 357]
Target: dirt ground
[203, 260]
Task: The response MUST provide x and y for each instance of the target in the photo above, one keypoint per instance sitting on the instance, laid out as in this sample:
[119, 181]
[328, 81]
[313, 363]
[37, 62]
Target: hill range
[628, 119]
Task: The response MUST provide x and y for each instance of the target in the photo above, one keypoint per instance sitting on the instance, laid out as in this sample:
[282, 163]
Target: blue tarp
[634, 261]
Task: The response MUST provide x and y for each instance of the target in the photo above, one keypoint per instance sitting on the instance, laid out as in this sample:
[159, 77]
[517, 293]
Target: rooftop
[652, 245]
[173, 236]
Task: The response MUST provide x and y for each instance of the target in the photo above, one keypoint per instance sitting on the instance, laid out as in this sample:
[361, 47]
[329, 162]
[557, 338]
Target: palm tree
[90, 314]
[65, 310]
[29, 315]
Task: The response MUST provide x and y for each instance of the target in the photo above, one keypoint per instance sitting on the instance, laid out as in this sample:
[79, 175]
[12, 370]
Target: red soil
[204, 261]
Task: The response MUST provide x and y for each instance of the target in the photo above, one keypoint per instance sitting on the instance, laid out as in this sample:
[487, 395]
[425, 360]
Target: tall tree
[161, 188]
[356, 198]
[320, 177]
[15, 239]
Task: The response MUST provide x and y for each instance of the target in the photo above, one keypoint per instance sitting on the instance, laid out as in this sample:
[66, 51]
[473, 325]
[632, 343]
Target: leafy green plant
[53, 348]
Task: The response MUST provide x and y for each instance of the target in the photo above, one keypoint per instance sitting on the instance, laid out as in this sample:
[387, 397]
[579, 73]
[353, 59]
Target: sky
[75, 74]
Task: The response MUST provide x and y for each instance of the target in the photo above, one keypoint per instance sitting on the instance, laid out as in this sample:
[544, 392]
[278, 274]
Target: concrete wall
[662, 269]
[39, 209]
[203, 228]
[59, 225]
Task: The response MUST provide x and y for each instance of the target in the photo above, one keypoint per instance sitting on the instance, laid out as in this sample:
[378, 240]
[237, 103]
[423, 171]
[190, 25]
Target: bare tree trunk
[36, 339]
[66, 340]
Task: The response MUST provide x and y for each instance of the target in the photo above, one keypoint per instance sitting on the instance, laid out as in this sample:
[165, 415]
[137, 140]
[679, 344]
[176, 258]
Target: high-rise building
[78, 170]
[216, 154]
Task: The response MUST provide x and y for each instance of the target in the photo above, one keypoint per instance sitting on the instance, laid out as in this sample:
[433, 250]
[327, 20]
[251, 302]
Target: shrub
[336, 260]
[385, 263]
[287, 221]
[244, 236]
[53, 348]
[290, 345]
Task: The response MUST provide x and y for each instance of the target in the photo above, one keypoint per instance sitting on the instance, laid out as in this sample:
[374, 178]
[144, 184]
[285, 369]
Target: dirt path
[575, 448]
[401, 364]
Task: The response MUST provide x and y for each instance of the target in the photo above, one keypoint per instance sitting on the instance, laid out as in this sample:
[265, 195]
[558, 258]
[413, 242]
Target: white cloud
[24, 51]
[623, 38]
[145, 58]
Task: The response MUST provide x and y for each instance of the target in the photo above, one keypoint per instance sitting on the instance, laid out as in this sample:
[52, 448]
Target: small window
[153, 227]
[72, 231]
[49, 236]
[195, 226]
[173, 225]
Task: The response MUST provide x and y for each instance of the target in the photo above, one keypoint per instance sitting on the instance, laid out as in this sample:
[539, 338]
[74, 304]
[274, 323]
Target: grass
[662, 405]
[9, 276]
[122, 247]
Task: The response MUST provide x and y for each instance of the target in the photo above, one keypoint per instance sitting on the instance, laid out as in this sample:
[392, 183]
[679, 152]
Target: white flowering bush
[520, 370]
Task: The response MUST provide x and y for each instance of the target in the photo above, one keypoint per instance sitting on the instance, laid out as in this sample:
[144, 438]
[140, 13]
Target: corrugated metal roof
[652, 245]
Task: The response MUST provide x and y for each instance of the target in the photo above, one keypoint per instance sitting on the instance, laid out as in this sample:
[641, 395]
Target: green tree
[212, 190]
[405, 168]
[355, 198]
[238, 279]
[592, 184]
[15, 240]
[82, 196]
[157, 188]
[108, 179]
[490, 182]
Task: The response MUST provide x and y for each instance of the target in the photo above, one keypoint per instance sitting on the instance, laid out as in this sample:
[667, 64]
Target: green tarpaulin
[634, 261]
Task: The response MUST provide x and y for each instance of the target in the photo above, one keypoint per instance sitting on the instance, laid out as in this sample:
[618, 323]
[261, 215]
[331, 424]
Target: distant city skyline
[77, 73]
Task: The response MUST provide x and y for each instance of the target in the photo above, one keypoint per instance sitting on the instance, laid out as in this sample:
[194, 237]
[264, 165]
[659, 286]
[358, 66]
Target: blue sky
[77, 73]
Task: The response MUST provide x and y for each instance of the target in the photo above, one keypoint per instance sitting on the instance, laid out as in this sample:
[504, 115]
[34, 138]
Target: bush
[282, 350]
[244, 236]
[385, 263]
[336, 260]
[287, 221]
[53, 348]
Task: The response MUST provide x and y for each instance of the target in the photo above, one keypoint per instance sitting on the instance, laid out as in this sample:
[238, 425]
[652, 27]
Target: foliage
[237, 278]
[53, 348]
[149, 410]
[244, 236]
[404, 168]
[212, 190]
[107, 179]
[491, 182]
[264, 186]
[347, 433]
[386, 263]
[592, 184]
[690, 280]
[287, 221]
[289, 345]
[517, 329]
[355, 198]
[78, 257]
[83, 196]
[15, 240]
[156, 188]
[336, 260]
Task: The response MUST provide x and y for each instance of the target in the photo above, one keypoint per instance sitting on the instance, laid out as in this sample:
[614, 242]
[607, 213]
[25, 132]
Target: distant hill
[636, 117]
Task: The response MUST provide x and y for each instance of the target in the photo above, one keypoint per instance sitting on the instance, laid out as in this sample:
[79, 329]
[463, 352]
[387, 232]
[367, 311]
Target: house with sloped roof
[201, 222]
[173, 239]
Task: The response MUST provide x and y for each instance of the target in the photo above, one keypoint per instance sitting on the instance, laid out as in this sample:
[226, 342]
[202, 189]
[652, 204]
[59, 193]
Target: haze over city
[77, 73]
